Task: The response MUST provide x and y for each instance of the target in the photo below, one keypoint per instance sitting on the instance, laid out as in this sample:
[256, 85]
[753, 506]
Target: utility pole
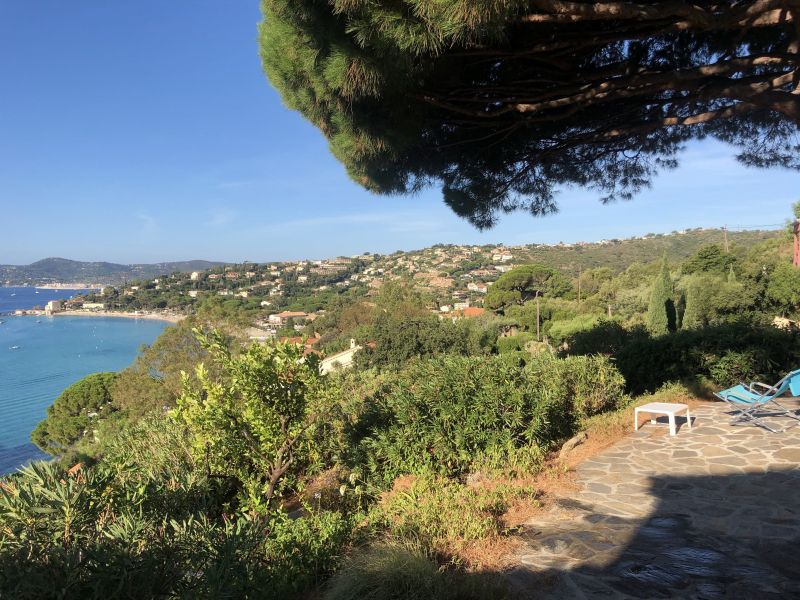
[796, 231]
[580, 271]
[537, 315]
[725, 234]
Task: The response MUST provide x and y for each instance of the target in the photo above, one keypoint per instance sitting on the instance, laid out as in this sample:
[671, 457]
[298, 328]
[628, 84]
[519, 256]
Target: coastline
[123, 315]
[67, 286]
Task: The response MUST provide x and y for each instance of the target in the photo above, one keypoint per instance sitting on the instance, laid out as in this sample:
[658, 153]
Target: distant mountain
[62, 270]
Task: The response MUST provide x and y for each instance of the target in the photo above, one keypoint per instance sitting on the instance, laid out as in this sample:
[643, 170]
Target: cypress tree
[680, 311]
[661, 311]
[691, 315]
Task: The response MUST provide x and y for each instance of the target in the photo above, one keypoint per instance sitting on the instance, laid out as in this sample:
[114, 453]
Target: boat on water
[14, 348]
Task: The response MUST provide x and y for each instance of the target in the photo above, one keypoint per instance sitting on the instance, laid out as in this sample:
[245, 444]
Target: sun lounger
[753, 402]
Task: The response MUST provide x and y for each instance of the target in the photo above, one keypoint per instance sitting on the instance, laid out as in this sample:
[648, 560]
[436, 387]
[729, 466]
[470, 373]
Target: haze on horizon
[154, 136]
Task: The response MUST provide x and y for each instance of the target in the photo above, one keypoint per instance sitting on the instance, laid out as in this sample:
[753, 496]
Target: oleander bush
[450, 415]
[83, 535]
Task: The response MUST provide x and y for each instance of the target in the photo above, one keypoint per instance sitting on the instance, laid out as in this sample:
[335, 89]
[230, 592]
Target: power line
[743, 228]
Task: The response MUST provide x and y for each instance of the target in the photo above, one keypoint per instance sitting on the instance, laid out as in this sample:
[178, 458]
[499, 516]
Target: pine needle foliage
[502, 102]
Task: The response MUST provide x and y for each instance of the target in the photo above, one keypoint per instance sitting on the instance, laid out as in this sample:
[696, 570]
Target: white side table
[662, 408]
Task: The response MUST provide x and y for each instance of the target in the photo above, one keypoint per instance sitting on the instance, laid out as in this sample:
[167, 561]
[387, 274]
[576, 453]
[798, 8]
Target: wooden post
[796, 229]
[537, 315]
[609, 310]
[580, 271]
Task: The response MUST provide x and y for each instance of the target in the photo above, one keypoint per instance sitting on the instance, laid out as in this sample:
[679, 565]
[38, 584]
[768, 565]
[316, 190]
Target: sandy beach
[125, 315]
[68, 286]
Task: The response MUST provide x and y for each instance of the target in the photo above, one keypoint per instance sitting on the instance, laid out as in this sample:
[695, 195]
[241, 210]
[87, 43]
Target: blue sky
[146, 131]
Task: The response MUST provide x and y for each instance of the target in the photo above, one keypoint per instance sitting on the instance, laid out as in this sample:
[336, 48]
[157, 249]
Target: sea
[41, 356]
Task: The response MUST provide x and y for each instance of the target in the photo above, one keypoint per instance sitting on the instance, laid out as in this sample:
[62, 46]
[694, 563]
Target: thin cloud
[149, 224]
[392, 219]
[228, 185]
[222, 216]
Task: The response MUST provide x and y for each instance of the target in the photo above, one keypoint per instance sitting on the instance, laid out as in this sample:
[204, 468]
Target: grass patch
[398, 572]
[446, 519]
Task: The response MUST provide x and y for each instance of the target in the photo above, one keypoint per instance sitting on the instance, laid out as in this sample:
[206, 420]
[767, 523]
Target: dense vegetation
[244, 292]
[213, 467]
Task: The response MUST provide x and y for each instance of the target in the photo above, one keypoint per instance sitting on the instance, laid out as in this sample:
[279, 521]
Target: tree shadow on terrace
[706, 537]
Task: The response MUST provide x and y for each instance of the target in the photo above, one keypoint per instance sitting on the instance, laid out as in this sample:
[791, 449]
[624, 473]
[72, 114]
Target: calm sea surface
[51, 354]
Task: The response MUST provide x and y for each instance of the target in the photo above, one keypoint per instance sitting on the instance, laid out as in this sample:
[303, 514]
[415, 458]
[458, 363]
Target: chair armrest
[768, 388]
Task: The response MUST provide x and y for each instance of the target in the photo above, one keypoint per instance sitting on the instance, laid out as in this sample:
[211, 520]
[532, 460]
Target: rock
[572, 443]
[474, 479]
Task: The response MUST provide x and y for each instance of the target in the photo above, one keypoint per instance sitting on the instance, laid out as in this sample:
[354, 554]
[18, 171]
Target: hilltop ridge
[616, 254]
[55, 270]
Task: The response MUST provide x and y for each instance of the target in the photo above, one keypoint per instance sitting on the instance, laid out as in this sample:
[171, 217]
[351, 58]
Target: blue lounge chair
[750, 401]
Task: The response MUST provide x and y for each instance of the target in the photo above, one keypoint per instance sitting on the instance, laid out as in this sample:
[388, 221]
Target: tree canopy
[710, 258]
[501, 102]
[69, 417]
[523, 283]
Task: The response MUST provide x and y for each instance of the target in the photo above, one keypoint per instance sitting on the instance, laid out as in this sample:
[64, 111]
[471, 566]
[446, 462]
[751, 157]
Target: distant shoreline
[70, 287]
[123, 315]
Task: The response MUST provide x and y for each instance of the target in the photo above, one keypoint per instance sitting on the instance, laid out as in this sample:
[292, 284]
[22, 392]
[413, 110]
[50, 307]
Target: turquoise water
[53, 353]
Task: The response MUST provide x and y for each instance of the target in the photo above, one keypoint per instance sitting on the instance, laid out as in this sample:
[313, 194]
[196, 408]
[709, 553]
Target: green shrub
[514, 343]
[561, 331]
[445, 414]
[154, 470]
[250, 423]
[449, 415]
[397, 572]
[85, 535]
[299, 553]
[607, 337]
[724, 354]
[388, 572]
[440, 515]
[734, 367]
[594, 383]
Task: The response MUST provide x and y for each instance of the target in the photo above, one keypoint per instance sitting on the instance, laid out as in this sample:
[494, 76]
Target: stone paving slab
[713, 512]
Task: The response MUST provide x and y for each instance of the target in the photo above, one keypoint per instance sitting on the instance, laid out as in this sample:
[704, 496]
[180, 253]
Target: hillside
[62, 270]
[615, 254]
[619, 254]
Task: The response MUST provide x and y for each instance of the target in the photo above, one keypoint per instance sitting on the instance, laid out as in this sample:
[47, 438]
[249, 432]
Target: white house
[477, 287]
[54, 306]
[340, 360]
[281, 318]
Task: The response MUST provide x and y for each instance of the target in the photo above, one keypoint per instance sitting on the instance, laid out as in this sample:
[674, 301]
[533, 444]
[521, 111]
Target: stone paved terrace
[711, 513]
